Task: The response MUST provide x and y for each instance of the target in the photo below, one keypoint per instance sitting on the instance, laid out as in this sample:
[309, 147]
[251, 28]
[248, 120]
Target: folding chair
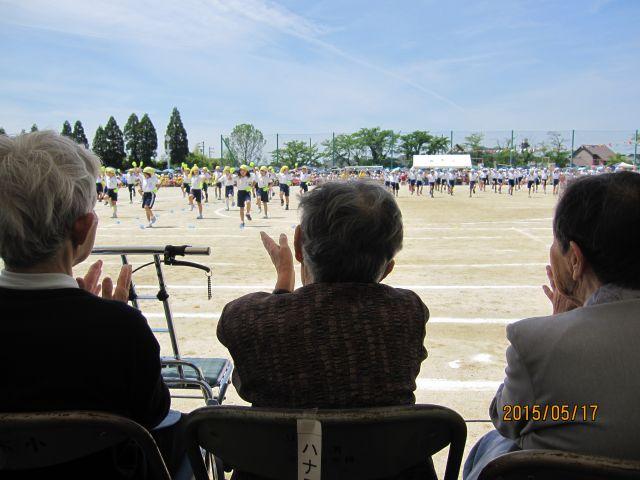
[355, 444]
[555, 465]
[205, 374]
[30, 441]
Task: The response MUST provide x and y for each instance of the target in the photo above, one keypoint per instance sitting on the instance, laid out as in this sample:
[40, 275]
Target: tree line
[136, 144]
[376, 146]
[367, 146]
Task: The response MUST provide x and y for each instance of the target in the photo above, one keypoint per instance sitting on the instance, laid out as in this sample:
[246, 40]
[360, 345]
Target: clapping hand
[282, 259]
[561, 303]
[91, 283]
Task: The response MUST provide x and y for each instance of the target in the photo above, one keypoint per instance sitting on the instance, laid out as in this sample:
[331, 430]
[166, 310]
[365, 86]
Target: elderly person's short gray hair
[47, 181]
[350, 231]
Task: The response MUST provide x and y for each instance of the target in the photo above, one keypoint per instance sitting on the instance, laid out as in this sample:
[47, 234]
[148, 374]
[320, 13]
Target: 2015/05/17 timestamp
[556, 413]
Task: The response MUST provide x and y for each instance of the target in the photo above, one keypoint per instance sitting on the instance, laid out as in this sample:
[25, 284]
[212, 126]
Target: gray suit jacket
[588, 356]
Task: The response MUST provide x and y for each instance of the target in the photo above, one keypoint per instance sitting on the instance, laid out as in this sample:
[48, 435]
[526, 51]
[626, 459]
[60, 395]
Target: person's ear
[388, 269]
[81, 228]
[577, 261]
[297, 244]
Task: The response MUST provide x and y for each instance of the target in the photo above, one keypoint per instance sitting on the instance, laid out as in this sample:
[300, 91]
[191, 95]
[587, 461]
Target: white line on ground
[529, 220]
[163, 234]
[220, 214]
[443, 385]
[468, 237]
[447, 320]
[426, 266]
[467, 229]
[408, 287]
[184, 315]
[528, 235]
[473, 321]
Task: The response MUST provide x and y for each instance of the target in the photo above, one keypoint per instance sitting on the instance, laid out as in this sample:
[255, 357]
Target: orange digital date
[556, 413]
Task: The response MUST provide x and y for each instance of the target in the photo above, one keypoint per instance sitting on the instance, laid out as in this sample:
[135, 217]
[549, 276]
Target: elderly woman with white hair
[62, 347]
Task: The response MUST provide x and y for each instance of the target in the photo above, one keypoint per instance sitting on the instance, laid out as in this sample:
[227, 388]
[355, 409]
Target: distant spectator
[61, 346]
[575, 372]
[343, 340]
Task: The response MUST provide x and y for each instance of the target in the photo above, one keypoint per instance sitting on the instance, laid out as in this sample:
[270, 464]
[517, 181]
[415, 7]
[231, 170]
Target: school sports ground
[477, 264]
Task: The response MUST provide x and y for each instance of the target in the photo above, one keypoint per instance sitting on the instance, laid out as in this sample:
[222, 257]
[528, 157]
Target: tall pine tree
[78, 134]
[114, 155]
[176, 143]
[34, 128]
[148, 139]
[132, 138]
[2, 131]
[99, 145]
[66, 129]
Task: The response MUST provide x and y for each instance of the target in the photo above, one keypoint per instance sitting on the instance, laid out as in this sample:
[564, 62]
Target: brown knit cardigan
[340, 345]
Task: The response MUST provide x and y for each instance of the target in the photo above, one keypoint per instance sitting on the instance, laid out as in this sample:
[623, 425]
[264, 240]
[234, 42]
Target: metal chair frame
[46, 439]
[556, 465]
[356, 443]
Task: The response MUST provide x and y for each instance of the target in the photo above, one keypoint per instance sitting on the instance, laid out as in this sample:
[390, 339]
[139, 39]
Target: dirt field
[477, 264]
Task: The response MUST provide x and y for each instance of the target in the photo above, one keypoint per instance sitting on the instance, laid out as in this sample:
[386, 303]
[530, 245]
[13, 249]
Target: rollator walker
[179, 373]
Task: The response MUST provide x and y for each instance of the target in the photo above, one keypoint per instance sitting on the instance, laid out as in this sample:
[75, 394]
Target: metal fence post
[573, 136]
[333, 149]
[511, 150]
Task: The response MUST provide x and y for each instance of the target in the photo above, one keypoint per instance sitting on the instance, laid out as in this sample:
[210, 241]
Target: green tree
[99, 143]
[66, 129]
[412, 143]
[341, 150]
[379, 143]
[301, 153]
[474, 145]
[34, 128]
[2, 131]
[148, 139]
[78, 134]
[246, 143]
[114, 154]
[558, 152]
[132, 138]
[617, 158]
[176, 142]
[437, 145]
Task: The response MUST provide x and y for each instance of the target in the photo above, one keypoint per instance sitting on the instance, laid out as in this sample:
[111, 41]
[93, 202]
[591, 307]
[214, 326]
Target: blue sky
[320, 66]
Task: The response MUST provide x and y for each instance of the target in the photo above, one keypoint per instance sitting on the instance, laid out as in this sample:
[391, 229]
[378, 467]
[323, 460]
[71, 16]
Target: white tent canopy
[442, 161]
[623, 165]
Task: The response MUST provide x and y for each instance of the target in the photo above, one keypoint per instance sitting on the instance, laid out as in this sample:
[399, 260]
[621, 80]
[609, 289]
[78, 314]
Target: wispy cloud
[275, 16]
[318, 66]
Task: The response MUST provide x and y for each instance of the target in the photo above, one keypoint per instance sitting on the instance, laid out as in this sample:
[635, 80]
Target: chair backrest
[555, 465]
[45, 439]
[356, 443]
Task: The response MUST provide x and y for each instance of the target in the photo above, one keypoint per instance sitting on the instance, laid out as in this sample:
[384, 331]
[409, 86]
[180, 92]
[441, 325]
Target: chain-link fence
[394, 148]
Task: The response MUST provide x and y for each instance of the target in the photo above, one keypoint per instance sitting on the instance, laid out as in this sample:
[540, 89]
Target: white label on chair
[309, 449]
